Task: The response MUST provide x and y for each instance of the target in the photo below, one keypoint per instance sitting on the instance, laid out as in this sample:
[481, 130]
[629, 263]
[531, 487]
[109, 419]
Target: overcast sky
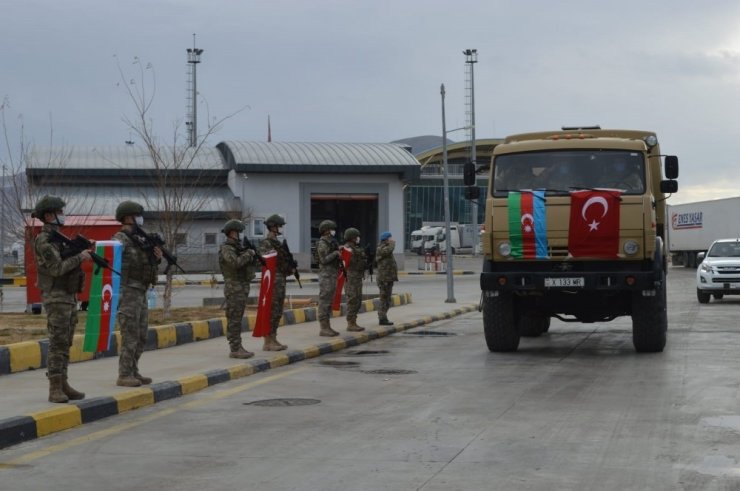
[370, 71]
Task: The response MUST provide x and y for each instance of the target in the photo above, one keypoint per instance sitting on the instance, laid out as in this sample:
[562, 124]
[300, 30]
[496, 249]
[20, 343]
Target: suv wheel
[702, 297]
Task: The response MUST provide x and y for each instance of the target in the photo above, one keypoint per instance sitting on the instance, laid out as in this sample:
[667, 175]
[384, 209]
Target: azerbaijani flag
[103, 301]
[264, 304]
[527, 224]
[345, 255]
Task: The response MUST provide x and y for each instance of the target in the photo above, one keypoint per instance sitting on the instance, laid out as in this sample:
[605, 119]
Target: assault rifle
[80, 243]
[248, 245]
[335, 247]
[370, 257]
[292, 262]
[153, 240]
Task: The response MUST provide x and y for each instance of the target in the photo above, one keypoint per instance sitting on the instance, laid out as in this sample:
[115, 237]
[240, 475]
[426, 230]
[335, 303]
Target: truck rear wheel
[499, 323]
[650, 321]
[533, 325]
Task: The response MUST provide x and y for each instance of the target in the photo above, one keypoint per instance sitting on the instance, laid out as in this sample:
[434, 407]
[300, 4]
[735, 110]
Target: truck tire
[650, 321]
[532, 325]
[703, 297]
[499, 323]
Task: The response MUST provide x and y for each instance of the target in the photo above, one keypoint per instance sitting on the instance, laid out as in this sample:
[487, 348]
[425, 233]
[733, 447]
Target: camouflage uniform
[138, 273]
[386, 275]
[353, 286]
[238, 267]
[282, 271]
[328, 252]
[59, 281]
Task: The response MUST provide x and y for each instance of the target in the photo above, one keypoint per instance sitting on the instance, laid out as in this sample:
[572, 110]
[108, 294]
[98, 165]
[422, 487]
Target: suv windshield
[559, 172]
[725, 249]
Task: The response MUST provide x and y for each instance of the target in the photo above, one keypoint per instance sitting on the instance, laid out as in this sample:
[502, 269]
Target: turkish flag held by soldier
[345, 256]
[594, 223]
[264, 304]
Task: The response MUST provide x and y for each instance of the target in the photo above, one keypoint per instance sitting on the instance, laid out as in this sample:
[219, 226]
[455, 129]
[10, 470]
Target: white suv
[719, 273]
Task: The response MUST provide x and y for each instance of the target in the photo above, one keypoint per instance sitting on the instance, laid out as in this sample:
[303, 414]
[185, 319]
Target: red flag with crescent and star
[345, 255]
[264, 304]
[594, 223]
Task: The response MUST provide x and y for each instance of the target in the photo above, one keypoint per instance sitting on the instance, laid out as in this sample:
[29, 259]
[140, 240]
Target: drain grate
[283, 402]
[366, 352]
[389, 371]
[431, 333]
[339, 363]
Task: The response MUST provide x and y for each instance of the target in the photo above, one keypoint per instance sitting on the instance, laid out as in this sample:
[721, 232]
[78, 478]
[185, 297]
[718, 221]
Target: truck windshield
[559, 172]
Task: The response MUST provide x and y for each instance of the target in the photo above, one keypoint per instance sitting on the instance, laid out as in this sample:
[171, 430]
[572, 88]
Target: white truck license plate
[564, 282]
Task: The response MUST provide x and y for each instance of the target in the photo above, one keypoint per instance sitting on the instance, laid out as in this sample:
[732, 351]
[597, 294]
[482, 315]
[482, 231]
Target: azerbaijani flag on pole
[103, 301]
[528, 224]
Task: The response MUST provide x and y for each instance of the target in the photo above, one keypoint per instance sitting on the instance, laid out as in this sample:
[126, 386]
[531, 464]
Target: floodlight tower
[192, 94]
[471, 58]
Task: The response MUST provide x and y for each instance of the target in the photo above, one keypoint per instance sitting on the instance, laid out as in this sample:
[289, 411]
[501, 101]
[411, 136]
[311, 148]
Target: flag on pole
[103, 301]
[345, 255]
[264, 304]
[528, 224]
[594, 223]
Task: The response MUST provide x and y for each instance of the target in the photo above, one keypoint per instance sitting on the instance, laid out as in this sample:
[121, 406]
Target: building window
[258, 227]
[181, 239]
[209, 239]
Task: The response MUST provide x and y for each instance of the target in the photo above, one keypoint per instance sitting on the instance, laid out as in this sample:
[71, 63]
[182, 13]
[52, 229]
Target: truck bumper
[534, 282]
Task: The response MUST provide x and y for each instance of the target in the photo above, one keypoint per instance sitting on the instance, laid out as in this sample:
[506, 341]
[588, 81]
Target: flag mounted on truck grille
[594, 223]
[527, 224]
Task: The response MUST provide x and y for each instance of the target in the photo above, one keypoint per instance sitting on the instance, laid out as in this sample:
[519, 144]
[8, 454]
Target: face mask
[139, 220]
[60, 219]
[333, 233]
[357, 240]
[279, 231]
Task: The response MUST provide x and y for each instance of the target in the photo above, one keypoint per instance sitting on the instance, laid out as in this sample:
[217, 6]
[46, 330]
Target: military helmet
[275, 220]
[233, 225]
[127, 208]
[47, 204]
[327, 225]
[351, 234]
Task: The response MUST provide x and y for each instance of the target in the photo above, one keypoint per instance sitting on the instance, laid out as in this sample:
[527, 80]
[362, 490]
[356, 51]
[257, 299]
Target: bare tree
[180, 174]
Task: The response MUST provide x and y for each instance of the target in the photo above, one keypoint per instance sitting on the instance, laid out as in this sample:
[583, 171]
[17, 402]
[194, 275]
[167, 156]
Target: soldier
[386, 275]
[59, 281]
[355, 275]
[237, 265]
[139, 263]
[274, 224]
[328, 251]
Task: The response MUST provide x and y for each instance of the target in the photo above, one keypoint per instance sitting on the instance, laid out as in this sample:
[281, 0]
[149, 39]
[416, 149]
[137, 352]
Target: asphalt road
[574, 409]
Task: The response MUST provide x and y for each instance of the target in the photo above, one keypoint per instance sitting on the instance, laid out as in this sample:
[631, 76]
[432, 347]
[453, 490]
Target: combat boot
[385, 322]
[271, 344]
[353, 327]
[128, 381]
[241, 353]
[56, 394]
[275, 339]
[144, 380]
[70, 392]
[326, 329]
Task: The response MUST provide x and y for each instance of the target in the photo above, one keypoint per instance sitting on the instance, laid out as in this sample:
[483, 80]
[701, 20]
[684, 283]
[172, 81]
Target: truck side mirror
[472, 192]
[469, 174]
[671, 166]
[668, 186]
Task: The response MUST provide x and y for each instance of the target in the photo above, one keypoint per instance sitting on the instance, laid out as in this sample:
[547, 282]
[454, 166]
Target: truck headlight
[630, 247]
[504, 248]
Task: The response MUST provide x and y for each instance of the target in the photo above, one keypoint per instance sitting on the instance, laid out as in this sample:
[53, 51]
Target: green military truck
[575, 227]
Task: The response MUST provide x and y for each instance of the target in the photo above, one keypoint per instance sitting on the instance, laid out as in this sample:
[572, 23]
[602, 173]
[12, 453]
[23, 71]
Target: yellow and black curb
[35, 425]
[31, 355]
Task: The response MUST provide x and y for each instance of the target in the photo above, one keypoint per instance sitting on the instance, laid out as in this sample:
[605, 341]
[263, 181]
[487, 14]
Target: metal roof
[127, 157]
[375, 158]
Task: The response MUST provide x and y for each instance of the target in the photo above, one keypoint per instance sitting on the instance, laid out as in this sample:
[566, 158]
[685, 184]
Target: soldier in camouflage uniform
[59, 281]
[139, 264]
[274, 224]
[355, 275]
[328, 251]
[386, 275]
[237, 265]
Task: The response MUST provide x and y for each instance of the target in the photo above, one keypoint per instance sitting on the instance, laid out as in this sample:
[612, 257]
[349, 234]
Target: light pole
[450, 287]
[2, 233]
[471, 58]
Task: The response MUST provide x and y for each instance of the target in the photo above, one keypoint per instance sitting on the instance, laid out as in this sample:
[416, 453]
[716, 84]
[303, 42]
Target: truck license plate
[564, 282]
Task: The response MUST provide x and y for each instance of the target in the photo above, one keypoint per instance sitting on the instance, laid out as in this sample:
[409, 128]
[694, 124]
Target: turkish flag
[594, 223]
[344, 255]
[264, 304]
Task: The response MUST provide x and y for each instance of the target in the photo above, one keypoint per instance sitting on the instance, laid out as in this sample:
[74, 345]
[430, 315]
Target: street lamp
[471, 58]
[450, 287]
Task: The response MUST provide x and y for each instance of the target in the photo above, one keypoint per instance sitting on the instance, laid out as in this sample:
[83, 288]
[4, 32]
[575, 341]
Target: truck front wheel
[500, 324]
[650, 320]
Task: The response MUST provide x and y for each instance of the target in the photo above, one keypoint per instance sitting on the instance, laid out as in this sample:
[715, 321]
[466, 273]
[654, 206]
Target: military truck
[575, 228]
